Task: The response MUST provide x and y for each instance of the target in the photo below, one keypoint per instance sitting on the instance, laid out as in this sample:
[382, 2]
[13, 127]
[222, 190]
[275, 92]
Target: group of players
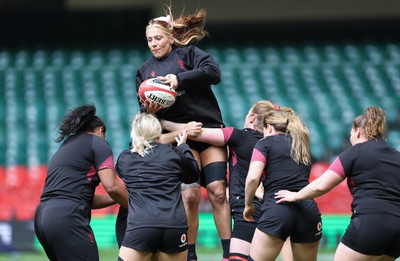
[268, 159]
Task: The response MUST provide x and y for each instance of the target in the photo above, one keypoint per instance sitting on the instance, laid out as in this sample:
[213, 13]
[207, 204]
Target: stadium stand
[328, 83]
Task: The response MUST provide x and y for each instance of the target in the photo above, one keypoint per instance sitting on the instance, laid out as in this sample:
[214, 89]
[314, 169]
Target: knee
[217, 192]
[191, 199]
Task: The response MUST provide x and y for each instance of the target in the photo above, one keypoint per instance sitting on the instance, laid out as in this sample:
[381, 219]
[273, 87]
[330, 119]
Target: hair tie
[167, 19]
[277, 107]
[287, 121]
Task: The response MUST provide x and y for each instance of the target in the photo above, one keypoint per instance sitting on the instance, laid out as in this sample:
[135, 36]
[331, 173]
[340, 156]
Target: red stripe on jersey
[258, 156]
[227, 133]
[108, 163]
[337, 167]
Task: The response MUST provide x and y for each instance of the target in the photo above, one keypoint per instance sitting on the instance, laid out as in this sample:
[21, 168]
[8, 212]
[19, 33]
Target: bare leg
[265, 247]
[344, 253]
[286, 251]
[305, 251]
[239, 246]
[172, 257]
[191, 198]
[129, 254]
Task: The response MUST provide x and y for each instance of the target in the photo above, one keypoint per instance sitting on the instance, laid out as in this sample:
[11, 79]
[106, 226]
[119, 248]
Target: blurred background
[326, 59]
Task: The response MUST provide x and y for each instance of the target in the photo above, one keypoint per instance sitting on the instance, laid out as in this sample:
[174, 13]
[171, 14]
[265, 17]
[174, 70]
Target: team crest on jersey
[153, 74]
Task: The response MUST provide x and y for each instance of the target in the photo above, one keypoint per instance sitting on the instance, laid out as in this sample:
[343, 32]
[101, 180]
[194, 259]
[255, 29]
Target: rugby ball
[154, 90]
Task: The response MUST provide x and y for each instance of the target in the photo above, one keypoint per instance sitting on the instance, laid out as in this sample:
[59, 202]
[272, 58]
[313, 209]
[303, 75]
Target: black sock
[192, 252]
[225, 247]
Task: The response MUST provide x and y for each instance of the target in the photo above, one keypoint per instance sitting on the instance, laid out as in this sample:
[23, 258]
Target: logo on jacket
[181, 64]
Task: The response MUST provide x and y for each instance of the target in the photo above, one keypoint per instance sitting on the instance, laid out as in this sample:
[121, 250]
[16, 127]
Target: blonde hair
[287, 121]
[372, 122]
[146, 129]
[259, 110]
[185, 29]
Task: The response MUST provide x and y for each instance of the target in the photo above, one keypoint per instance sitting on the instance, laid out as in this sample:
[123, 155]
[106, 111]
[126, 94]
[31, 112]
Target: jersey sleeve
[228, 133]
[190, 169]
[203, 70]
[347, 159]
[138, 80]
[260, 151]
[103, 155]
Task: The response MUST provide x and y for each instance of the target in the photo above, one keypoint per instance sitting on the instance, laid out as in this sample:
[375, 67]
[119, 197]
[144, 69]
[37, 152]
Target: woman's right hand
[248, 213]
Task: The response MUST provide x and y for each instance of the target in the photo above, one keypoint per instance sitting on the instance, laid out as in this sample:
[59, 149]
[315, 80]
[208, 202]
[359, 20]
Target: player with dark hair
[283, 160]
[153, 173]
[84, 159]
[372, 169]
[190, 72]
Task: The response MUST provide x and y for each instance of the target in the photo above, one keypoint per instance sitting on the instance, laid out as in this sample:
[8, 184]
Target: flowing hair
[79, 120]
[185, 29]
[287, 121]
[146, 130]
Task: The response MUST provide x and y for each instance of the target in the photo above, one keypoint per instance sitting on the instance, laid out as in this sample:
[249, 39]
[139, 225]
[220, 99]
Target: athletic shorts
[374, 234]
[153, 239]
[62, 228]
[301, 221]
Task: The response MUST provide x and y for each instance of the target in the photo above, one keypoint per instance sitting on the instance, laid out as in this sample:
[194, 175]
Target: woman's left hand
[285, 196]
[171, 80]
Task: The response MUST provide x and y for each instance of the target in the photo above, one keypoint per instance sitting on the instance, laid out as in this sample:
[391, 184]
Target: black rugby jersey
[372, 169]
[196, 71]
[241, 144]
[154, 185]
[281, 171]
[72, 170]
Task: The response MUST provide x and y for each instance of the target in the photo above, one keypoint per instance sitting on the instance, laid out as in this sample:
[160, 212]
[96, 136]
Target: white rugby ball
[154, 90]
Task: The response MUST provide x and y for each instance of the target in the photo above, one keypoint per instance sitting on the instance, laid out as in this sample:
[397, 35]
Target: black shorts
[62, 228]
[301, 221]
[153, 239]
[374, 234]
[244, 230]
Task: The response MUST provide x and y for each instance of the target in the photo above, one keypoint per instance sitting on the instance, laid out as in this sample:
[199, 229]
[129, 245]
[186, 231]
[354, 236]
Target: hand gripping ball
[154, 90]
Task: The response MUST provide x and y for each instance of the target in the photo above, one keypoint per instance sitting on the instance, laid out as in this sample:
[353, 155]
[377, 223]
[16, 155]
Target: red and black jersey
[154, 185]
[281, 171]
[372, 169]
[196, 71]
[241, 144]
[72, 170]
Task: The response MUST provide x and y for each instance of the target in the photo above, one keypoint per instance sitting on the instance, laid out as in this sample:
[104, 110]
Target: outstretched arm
[213, 136]
[192, 128]
[316, 188]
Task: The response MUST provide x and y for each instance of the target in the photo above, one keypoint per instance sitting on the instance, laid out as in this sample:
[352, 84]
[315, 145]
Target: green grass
[107, 254]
